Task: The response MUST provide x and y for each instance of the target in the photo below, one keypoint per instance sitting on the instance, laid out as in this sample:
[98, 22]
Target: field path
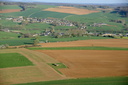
[41, 71]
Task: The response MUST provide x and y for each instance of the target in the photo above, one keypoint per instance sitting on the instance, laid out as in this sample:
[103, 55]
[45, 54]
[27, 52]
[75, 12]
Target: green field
[26, 41]
[77, 48]
[9, 7]
[44, 6]
[18, 41]
[13, 60]
[85, 81]
[50, 39]
[8, 35]
[45, 14]
[33, 12]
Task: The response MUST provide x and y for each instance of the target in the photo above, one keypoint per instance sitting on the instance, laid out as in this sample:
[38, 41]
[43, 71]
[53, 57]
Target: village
[79, 31]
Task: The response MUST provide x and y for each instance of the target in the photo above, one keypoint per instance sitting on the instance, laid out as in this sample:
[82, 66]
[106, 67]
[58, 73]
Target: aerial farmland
[63, 43]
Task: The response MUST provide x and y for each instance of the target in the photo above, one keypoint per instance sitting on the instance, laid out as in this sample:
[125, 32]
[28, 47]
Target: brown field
[91, 63]
[71, 10]
[102, 42]
[41, 71]
[10, 10]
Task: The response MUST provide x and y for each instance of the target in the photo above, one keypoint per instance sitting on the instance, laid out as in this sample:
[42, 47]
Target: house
[9, 18]
[98, 24]
[19, 19]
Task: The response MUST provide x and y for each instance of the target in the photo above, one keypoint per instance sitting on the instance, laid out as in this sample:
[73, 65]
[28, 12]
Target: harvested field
[71, 10]
[10, 10]
[102, 42]
[91, 63]
[41, 71]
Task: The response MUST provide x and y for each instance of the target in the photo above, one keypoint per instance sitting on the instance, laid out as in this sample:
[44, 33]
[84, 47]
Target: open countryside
[63, 43]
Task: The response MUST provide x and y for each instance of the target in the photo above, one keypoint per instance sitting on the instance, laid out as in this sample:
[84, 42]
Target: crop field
[85, 81]
[17, 41]
[9, 10]
[77, 48]
[37, 71]
[91, 63]
[9, 7]
[45, 14]
[36, 12]
[50, 39]
[14, 40]
[4, 35]
[97, 42]
[71, 10]
[13, 60]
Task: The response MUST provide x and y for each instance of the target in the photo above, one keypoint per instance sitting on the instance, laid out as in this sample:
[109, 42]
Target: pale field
[10, 10]
[71, 10]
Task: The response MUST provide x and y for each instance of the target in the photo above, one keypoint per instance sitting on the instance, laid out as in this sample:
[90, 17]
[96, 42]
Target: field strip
[44, 71]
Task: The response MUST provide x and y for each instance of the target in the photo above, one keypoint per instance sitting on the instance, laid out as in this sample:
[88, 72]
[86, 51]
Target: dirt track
[71, 10]
[91, 63]
[102, 42]
[10, 10]
[41, 71]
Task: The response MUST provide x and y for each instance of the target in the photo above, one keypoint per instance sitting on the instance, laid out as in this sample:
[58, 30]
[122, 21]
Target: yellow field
[71, 10]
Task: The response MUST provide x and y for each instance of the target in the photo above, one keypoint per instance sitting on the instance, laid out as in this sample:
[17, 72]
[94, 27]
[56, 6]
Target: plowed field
[71, 10]
[102, 42]
[10, 10]
[91, 63]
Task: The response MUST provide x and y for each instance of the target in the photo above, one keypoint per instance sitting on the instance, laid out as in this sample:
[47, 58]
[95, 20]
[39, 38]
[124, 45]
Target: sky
[73, 1]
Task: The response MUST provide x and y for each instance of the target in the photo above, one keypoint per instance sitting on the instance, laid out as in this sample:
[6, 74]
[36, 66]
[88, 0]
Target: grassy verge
[85, 81]
[77, 48]
[13, 60]
[57, 66]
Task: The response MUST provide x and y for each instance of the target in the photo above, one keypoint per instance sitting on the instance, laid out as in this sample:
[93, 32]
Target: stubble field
[91, 63]
[71, 10]
[101, 43]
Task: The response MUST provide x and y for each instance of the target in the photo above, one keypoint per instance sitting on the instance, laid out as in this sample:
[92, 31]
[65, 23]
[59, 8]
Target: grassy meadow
[17, 41]
[13, 60]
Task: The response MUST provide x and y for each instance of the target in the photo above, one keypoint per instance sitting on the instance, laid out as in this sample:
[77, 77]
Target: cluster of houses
[45, 20]
[98, 24]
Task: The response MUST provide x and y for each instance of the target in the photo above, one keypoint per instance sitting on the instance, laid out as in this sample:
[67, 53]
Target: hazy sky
[74, 1]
